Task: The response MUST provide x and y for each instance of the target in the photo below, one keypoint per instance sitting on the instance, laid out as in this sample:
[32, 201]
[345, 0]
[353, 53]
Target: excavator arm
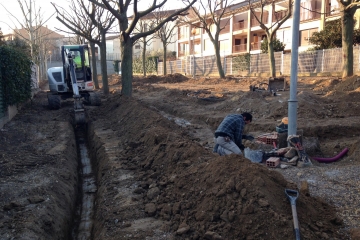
[79, 109]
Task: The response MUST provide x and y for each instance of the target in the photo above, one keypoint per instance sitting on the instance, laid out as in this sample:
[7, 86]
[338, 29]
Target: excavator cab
[73, 80]
[80, 57]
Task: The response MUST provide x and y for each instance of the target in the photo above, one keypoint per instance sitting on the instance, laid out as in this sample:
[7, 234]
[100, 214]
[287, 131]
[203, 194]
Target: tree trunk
[164, 60]
[103, 64]
[144, 57]
[93, 65]
[218, 59]
[126, 67]
[347, 22]
[271, 58]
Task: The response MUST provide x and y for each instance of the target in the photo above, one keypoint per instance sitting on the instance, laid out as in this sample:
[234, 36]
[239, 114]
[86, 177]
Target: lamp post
[292, 102]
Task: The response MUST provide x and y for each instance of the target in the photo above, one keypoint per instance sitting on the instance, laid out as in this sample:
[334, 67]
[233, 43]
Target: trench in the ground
[83, 216]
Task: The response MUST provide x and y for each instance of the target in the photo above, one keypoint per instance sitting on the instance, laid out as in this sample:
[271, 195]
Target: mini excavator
[73, 80]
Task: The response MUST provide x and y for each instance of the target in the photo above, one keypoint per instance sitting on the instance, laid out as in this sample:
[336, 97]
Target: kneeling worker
[228, 135]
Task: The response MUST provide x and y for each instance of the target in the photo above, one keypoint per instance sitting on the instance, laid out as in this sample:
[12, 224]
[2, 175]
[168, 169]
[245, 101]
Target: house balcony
[255, 46]
[226, 29]
[240, 25]
[277, 16]
[196, 31]
[239, 48]
[195, 52]
[332, 11]
[183, 36]
[183, 53]
[255, 23]
[310, 15]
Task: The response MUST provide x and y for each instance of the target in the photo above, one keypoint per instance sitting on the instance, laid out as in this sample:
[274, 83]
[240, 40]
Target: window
[224, 46]
[309, 9]
[255, 38]
[284, 36]
[305, 35]
[237, 41]
[334, 6]
[207, 45]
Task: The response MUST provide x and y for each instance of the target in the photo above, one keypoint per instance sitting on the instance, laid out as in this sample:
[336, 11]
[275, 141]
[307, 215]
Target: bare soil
[156, 174]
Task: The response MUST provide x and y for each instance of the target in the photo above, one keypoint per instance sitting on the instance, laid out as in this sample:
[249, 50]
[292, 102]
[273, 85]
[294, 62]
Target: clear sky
[8, 22]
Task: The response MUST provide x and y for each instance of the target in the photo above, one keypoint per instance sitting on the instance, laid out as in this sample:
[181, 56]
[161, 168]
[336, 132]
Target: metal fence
[320, 61]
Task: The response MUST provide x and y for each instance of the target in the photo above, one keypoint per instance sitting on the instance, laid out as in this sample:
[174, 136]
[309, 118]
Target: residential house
[242, 33]
[155, 44]
[113, 51]
[50, 41]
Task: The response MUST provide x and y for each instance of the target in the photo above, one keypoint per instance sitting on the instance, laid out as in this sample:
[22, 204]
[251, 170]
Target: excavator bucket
[276, 84]
[79, 111]
[80, 117]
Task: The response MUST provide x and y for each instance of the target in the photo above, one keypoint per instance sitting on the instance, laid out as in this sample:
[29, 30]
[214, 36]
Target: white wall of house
[155, 44]
[243, 38]
[112, 49]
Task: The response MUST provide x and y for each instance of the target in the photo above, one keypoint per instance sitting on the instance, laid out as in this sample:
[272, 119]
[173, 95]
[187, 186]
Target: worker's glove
[248, 137]
[242, 147]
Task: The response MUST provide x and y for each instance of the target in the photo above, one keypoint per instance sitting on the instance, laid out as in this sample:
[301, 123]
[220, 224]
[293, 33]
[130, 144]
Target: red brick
[269, 139]
[273, 162]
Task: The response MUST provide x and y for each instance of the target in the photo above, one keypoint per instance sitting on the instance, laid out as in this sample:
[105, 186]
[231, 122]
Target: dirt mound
[200, 194]
[37, 179]
[347, 84]
[170, 78]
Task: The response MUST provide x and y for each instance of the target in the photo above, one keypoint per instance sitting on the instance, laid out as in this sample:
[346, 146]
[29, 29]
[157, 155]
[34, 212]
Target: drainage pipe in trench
[88, 190]
[333, 159]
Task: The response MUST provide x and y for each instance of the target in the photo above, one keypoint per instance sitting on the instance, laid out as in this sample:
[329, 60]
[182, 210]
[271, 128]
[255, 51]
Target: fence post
[322, 60]
[188, 65]
[282, 64]
[203, 61]
[193, 66]
[250, 64]
[224, 65]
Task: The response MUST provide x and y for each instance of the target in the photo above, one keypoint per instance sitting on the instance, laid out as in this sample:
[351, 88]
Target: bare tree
[166, 33]
[83, 20]
[79, 24]
[144, 26]
[257, 11]
[210, 17]
[31, 30]
[348, 9]
[127, 37]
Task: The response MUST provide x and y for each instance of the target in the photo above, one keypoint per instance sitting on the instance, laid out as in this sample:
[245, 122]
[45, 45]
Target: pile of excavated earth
[156, 174]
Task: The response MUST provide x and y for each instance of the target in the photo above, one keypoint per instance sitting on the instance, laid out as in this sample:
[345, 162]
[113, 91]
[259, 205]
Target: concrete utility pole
[292, 103]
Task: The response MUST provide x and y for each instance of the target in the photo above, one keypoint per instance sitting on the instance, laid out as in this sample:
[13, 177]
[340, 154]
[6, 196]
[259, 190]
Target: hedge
[15, 76]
